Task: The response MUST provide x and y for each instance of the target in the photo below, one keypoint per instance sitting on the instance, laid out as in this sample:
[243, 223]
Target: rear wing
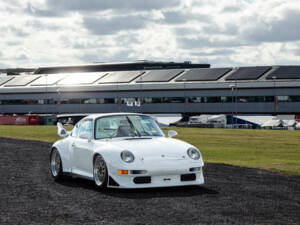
[61, 131]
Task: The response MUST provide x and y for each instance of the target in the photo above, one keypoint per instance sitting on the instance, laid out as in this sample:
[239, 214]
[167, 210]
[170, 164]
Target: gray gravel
[231, 195]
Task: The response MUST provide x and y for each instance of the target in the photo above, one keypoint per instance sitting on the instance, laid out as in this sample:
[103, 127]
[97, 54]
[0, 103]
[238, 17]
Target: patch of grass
[38, 133]
[276, 150]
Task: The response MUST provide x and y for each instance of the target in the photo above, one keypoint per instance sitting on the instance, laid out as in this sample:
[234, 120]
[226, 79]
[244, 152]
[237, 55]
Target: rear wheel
[100, 172]
[56, 165]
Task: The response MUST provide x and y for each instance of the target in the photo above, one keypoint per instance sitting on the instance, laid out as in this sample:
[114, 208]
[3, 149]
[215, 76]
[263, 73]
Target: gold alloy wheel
[99, 170]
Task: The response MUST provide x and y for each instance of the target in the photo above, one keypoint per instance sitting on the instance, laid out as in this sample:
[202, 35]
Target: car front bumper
[157, 176]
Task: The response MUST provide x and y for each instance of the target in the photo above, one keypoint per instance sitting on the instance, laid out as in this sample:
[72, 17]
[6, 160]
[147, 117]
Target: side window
[86, 129]
[75, 130]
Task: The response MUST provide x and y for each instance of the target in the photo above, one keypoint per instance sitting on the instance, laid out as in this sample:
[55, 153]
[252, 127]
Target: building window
[90, 101]
[100, 101]
[177, 100]
[41, 101]
[269, 99]
[212, 99]
[195, 99]
[295, 98]
[151, 100]
[147, 100]
[284, 98]
[109, 101]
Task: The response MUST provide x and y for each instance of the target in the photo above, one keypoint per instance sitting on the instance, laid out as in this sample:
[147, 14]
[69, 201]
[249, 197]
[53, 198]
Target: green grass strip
[276, 150]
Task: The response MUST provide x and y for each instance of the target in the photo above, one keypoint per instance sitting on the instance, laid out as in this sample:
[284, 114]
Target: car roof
[95, 116]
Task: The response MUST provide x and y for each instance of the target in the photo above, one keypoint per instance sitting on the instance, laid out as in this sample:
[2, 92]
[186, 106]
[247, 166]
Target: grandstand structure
[153, 87]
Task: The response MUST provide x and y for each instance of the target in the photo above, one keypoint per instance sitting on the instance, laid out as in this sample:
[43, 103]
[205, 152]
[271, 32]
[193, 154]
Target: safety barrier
[19, 120]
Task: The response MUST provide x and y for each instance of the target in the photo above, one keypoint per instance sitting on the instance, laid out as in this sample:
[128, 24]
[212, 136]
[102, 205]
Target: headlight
[127, 156]
[193, 153]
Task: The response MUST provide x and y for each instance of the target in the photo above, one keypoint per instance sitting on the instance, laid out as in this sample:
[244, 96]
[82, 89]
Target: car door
[72, 139]
[83, 149]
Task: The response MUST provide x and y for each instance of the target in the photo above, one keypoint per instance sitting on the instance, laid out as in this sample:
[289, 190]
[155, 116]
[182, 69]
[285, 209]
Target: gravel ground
[231, 195]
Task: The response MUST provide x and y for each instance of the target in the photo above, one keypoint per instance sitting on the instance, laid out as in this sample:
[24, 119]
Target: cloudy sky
[220, 32]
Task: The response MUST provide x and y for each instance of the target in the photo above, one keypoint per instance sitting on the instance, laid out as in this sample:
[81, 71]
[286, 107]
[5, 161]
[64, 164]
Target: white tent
[208, 119]
[289, 123]
[219, 119]
[259, 120]
[199, 119]
[273, 123]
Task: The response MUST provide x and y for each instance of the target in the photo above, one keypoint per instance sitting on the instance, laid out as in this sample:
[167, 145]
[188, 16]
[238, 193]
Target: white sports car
[125, 150]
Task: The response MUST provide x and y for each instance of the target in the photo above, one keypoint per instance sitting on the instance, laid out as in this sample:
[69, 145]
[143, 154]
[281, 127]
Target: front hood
[161, 147]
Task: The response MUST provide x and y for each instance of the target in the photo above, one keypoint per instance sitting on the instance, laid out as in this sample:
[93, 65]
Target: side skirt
[75, 175]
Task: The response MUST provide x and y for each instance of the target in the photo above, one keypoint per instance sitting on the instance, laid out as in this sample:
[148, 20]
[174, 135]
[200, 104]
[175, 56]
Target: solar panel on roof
[81, 78]
[48, 80]
[286, 72]
[21, 80]
[159, 75]
[248, 73]
[205, 74]
[121, 77]
[5, 79]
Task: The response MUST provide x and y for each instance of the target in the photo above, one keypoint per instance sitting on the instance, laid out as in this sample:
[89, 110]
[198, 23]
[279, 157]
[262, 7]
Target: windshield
[126, 126]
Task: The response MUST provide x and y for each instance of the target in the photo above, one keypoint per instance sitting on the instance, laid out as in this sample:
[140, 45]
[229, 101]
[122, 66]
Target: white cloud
[220, 32]
[96, 5]
[104, 26]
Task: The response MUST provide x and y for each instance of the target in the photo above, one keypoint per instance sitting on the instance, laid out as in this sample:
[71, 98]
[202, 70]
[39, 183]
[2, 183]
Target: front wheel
[100, 172]
[56, 165]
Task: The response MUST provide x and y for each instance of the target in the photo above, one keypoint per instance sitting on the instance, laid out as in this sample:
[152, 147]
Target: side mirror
[172, 133]
[85, 135]
[62, 132]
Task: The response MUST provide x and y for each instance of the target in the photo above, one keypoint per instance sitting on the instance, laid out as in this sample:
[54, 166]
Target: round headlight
[193, 153]
[127, 156]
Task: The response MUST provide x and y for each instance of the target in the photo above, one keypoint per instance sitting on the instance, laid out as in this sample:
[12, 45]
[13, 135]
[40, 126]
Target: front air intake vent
[188, 177]
[142, 180]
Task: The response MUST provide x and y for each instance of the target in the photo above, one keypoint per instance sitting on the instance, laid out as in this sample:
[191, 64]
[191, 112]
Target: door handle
[73, 145]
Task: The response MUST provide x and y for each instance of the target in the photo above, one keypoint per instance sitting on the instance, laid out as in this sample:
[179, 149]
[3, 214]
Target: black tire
[100, 172]
[56, 166]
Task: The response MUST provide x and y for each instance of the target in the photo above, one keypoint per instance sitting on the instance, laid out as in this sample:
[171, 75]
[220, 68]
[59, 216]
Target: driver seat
[124, 129]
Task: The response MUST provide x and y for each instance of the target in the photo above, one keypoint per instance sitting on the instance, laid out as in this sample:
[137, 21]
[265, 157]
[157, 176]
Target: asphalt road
[231, 195]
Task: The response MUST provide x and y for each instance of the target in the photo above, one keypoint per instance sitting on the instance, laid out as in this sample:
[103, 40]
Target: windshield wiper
[138, 138]
[132, 126]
